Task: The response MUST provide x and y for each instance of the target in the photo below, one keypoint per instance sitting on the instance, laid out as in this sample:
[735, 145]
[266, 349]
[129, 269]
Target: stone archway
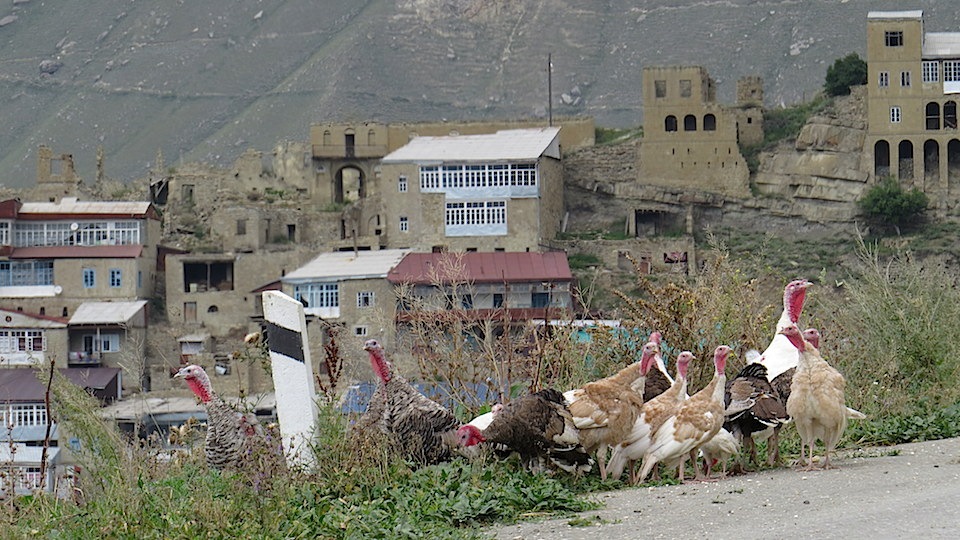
[931, 163]
[953, 163]
[905, 161]
[350, 184]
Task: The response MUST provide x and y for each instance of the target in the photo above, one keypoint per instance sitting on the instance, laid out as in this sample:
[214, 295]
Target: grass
[892, 327]
[783, 124]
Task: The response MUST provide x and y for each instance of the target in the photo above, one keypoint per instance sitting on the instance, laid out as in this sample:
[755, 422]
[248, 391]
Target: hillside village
[371, 225]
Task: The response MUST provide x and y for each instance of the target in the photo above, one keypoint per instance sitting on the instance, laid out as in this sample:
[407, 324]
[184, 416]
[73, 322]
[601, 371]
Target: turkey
[754, 410]
[231, 435]
[424, 431]
[653, 414]
[539, 428]
[766, 380]
[658, 380]
[816, 400]
[604, 411]
[719, 449]
[697, 421]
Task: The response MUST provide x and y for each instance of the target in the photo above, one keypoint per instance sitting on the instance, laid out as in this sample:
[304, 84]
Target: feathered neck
[379, 364]
[200, 385]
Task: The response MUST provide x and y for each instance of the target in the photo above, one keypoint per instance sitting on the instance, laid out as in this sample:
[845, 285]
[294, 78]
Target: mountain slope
[206, 80]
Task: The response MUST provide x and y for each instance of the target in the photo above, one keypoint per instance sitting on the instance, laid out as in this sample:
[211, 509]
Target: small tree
[889, 204]
[845, 72]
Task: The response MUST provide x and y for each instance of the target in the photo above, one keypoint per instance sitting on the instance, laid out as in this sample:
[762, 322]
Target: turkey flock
[641, 418]
[636, 421]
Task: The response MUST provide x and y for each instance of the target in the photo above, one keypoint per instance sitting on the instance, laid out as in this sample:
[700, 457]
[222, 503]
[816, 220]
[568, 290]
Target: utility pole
[550, 89]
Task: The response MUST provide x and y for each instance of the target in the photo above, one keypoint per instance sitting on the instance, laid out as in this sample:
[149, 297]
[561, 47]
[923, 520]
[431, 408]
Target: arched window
[213, 309]
[709, 122]
[933, 115]
[689, 123]
[881, 159]
[950, 115]
[670, 123]
[931, 161]
[905, 160]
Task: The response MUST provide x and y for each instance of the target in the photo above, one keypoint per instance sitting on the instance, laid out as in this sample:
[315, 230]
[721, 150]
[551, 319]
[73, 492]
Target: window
[895, 115]
[884, 79]
[904, 78]
[689, 123]
[89, 278]
[404, 224]
[90, 233]
[24, 415]
[116, 277]
[102, 343]
[402, 184]
[670, 123]
[686, 88]
[139, 279]
[241, 227]
[466, 301]
[710, 122]
[16, 273]
[951, 70]
[660, 88]
[435, 178]
[497, 300]
[360, 331]
[318, 295]
[893, 38]
[931, 71]
[539, 299]
[365, 299]
[5, 233]
[18, 341]
[476, 213]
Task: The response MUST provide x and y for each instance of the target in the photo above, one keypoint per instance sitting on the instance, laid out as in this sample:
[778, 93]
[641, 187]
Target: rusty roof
[78, 252]
[477, 267]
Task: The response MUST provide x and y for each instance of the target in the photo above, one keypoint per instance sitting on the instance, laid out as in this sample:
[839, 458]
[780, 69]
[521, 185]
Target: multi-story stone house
[85, 266]
[493, 192]
[913, 88]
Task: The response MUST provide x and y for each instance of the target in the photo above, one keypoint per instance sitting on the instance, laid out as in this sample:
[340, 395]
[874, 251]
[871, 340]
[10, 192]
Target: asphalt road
[906, 491]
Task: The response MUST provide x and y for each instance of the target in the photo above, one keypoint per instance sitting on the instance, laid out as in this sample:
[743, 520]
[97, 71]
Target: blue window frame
[89, 278]
[116, 277]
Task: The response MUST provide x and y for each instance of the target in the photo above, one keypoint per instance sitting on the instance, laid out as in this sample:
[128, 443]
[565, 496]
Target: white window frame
[402, 184]
[404, 224]
[22, 341]
[883, 79]
[905, 78]
[104, 342]
[896, 115]
[365, 299]
[931, 71]
[318, 295]
[4, 233]
[30, 414]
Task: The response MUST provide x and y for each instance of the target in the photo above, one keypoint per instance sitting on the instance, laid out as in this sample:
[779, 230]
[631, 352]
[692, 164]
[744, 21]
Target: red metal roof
[78, 252]
[9, 208]
[477, 267]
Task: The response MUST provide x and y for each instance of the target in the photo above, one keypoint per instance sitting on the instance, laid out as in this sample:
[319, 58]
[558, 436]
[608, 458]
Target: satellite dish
[57, 289]
[74, 226]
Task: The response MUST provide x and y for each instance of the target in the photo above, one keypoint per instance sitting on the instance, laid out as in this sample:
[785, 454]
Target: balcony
[83, 358]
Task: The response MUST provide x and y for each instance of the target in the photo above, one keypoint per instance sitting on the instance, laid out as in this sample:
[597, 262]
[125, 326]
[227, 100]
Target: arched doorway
[931, 163]
[881, 159]
[349, 185]
[953, 162]
[905, 160]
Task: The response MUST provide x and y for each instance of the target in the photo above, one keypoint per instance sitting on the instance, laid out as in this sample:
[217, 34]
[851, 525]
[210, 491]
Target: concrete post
[292, 375]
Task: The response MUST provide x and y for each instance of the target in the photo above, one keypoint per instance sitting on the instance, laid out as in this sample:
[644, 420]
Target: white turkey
[539, 428]
[424, 431]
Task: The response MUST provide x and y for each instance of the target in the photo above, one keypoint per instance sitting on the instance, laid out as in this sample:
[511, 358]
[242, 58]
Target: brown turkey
[539, 428]
[232, 437]
[424, 431]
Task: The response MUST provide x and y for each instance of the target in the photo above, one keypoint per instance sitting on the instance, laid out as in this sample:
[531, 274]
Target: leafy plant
[851, 70]
[888, 204]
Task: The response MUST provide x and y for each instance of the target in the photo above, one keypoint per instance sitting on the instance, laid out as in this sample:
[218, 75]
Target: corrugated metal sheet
[347, 265]
[78, 252]
[912, 14]
[106, 312]
[506, 145]
[21, 385]
[72, 206]
[941, 45]
[477, 267]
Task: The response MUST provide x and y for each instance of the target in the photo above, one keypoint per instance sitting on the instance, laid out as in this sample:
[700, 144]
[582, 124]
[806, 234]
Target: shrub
[887, 204]
[845, 72]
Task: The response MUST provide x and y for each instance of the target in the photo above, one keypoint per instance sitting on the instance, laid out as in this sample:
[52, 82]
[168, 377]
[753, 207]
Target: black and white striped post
[292, 374]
